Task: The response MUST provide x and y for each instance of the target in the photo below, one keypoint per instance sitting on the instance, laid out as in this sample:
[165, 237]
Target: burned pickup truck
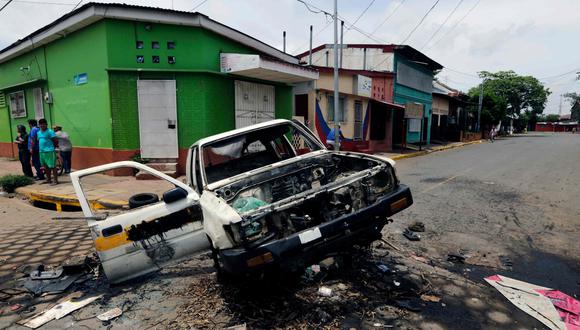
[268, 196]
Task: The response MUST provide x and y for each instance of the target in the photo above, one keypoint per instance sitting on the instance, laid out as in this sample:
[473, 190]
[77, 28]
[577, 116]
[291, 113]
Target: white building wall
[353, 59]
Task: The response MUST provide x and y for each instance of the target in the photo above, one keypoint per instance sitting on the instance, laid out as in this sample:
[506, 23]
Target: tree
[513, 96]
[552, 118]
[574, 99]
[494, 108]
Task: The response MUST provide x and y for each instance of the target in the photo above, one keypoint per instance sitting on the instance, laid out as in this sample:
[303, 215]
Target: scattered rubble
[110, 314]
[58, 311]
[325, 291]
[417, 226]
[456, 258]
[411, 235]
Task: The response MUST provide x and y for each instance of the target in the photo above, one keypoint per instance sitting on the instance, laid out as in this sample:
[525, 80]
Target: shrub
[10, 182]
[137, 158]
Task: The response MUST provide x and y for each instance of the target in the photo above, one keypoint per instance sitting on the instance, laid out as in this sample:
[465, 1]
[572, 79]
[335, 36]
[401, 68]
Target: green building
[125, 80]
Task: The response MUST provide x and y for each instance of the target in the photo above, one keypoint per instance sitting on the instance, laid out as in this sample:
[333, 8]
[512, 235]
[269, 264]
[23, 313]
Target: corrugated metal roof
[92, 12]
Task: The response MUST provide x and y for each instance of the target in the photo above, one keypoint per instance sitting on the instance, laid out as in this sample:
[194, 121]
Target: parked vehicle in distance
[261, 197]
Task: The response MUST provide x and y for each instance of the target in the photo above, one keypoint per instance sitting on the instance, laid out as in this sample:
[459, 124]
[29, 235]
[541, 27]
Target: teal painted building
[414, 73]
[124, 80]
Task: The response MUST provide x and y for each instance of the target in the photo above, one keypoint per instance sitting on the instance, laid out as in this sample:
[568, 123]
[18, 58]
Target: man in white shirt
[65, 147]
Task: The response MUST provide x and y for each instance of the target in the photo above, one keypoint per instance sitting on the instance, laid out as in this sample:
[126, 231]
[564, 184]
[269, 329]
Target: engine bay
[287, 200]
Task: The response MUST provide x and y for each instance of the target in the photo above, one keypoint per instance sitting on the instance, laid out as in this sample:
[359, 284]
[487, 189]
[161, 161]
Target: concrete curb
[425, 152]
[71, 200]
[60, 200]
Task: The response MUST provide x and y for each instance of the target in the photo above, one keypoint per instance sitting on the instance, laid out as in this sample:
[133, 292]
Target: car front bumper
[292, 253]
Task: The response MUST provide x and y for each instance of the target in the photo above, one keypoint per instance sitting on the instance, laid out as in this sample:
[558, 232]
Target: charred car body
[271, 196]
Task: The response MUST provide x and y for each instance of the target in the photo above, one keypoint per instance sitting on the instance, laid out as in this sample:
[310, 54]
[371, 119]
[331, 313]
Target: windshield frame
[308, 136]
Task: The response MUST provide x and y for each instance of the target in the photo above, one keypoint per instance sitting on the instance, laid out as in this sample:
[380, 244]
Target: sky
[532, 37]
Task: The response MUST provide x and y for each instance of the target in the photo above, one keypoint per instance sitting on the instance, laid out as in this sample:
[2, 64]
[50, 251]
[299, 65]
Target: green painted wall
[205, 99]
[195, 48]
[284, 102]
[24, 68]
[205, 106]
[83, 111]
[5, 123]
[20, 70]
[10, 134]
[125, 118]
[404, 94]
[103, 113]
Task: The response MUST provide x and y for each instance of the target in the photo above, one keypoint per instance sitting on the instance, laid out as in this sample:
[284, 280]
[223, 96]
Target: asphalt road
[514, 199]
[511, 207]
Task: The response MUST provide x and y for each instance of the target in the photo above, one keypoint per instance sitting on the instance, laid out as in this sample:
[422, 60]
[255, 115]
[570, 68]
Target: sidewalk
[102, 191]
[427, 150]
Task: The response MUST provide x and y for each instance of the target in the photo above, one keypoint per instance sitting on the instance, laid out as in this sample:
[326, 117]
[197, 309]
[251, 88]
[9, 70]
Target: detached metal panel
[254, 103]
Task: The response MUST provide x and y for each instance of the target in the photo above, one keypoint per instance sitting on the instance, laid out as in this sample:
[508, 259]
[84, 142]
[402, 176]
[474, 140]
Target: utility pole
[336, 105]
[560, 108]
[284, 41]
[478, 127]
[310, 49]
[341, 43]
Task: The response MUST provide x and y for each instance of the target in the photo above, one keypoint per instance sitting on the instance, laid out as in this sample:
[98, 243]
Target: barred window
[341, 109]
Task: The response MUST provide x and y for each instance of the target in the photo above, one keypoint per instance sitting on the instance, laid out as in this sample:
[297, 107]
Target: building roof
[566, 116]
[409, 52]
[93, 12]
[367, 73]
[560, 123]
[442, 89]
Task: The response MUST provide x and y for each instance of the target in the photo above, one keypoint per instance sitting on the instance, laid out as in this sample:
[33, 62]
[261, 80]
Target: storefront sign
[414, 110]
[362, 85]
[81, 79]
[238, 62]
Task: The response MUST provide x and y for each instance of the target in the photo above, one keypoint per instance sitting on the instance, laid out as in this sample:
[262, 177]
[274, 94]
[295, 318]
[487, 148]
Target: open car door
[132, 241]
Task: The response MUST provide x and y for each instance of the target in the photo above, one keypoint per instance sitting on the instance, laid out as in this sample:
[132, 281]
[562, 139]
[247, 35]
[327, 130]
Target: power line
[349, 25]
[420, 22]
[316, 10]
[366, 34]
[75, 7]
[463, 73]
[313, 37]
[455, 25]
[361, 15]
[388, 17]
[199, 5]
[6, 4]
[441, 26]
[560, 75]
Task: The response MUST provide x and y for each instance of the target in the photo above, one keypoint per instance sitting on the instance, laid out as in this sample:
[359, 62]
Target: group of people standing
[40, 147]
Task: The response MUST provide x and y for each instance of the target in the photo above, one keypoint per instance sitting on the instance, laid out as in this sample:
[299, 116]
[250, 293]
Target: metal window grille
[358, 120]
[38, 105]
[330, 108]
[414, 125]
[17, 105]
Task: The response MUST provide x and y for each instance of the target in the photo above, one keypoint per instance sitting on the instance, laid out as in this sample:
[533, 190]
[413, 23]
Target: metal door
[38, 105]
[142, 240]
[254, 103]
[157, 118]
